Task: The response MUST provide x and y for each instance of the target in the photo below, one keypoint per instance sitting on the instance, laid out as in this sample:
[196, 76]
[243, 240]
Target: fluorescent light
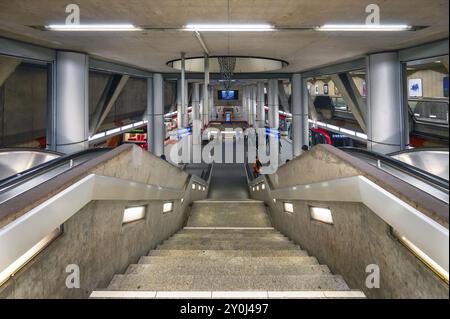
[25, 258]
[92, 27]
[167, 207]
[132, 214]
[229, 27]
[440, 271]
[288, 208]
[113, 131]
[364, 27]
[321, 214]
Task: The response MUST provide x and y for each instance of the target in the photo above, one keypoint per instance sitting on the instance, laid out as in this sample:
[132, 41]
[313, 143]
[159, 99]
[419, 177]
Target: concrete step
[228, 253]
[227, 236]
[201, 282]
[218, 268]
[228, 245]
[189, 261]
[304, 294]
[244, 240]
[228, 214]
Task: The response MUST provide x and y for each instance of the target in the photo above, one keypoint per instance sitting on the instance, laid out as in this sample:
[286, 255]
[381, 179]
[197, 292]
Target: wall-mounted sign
[325, 89]
[446, 86]
[415, 88]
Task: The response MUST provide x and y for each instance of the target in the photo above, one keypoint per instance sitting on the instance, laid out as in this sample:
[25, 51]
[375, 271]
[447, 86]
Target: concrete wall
[95, 239]
[357, 238]
[131, 103]
[23, 106]
[432, 80]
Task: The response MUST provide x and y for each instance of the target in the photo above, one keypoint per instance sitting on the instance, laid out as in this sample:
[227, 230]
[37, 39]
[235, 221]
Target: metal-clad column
[245, 105]
[260, 111]
[211, 102]
[179, 105]
[274, 119]
[386, 126]
[149, 116]
[184, 116]
[205, 105]
[72, 102]
[297, 123]
[196, 124]
[304, 131]
[158, 114]
[254, 94]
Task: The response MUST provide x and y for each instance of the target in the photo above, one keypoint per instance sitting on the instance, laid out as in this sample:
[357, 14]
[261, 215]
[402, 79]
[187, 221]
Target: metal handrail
[408, 169]
[25, 175]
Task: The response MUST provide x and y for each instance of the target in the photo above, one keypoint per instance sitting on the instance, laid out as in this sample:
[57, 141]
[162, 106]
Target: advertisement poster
[415, 88]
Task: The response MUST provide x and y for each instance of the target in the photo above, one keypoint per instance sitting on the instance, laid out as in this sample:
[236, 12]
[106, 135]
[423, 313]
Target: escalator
[15, 185]
[16, 160]
[417, 176]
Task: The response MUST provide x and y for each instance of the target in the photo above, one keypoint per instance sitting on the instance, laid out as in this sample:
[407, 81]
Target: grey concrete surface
[228, 214]
[198, 259]
[152, 49]
[357, 238]
[95, 239]
[228, 182]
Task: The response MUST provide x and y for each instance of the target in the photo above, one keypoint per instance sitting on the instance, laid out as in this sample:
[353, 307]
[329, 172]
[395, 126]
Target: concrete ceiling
[151, 49]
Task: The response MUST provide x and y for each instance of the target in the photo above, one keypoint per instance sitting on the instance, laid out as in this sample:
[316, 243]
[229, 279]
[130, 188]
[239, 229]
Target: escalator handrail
[409, 169]
[17, 178]
[417, 150]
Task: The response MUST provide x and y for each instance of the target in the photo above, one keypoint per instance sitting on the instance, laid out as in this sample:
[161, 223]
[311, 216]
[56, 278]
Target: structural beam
[105, 66]
[26, 51]
[7, 67]
[107, 100]
[351, 96]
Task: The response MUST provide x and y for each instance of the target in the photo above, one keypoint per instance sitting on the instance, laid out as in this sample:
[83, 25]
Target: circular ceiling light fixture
[243, 64]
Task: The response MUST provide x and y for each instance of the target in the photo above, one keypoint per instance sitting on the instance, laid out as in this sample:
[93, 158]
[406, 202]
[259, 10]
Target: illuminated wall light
[288, 207]
[194, 186]
[92, 27]
[257, 188]
[97, 136]
[126, 127]
[182, 200]
[199, 187]
[346, 131]
[113, 131]
[321, 214]
[274, 200]
[333, 127]
[253, 189]
[440, 271]
[361, 135]
[204, 188]
[167, 207]
[12, 269]
[263, 186]
[132, 214]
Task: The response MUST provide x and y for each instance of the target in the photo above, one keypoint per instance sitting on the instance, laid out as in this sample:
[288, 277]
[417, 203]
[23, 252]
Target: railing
[427, 234]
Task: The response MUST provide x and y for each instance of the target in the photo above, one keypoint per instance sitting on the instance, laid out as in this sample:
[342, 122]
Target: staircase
[228, 250]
